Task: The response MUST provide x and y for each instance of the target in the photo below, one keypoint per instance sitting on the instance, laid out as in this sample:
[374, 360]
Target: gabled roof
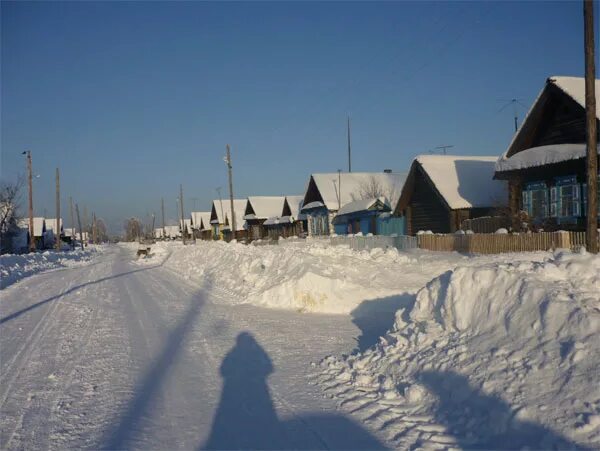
[572, 87]
[188, 224]
[264, 207]
[460, 181]
[295, 205]
[380, 203]
[221, 212]
[354, 186]
[201, 220]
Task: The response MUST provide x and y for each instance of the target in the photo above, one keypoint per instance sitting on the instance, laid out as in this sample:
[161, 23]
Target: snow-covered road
[116, 354]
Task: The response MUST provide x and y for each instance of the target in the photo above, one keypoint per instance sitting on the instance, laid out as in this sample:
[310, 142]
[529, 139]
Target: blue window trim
[567, 180]
[537, 186]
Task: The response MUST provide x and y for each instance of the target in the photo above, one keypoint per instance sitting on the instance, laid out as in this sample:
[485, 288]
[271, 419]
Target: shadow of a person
[246, 417]
[480, 421]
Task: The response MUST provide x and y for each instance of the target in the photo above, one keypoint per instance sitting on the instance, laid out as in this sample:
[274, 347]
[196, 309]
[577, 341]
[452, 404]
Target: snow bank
[502, 355]
[16, 267]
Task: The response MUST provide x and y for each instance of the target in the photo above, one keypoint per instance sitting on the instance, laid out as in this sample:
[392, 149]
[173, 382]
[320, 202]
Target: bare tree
[101, 230]
[372, 188]
[133, 229]
[10, 194]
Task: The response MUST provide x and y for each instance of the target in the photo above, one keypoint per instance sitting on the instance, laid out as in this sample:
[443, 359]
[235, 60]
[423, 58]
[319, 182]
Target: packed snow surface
[495, 356]
[16, 267]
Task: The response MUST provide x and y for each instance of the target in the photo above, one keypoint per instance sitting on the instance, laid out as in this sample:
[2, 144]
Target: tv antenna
[514, 103]
[443, 148]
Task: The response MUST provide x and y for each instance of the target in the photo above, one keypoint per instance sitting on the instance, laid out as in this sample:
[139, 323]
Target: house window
[584, 197]
[320, 224]
[535, 200]
[565, 199]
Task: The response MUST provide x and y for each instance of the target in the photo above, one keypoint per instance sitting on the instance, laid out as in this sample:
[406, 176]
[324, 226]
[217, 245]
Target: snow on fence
[360, 243]
[486, 243]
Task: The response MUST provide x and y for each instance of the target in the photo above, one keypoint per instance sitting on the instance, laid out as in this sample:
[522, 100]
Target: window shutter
[576, 188]
[553, 202]
[576, 208]
[525, 200]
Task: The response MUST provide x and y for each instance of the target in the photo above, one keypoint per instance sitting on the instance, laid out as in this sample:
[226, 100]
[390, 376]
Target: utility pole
[58, 222]
[79, 222]
[349, 150]
[229, 170]
[72, 224]
[162, 209]
[94, 232]
[339, 189]
[181, 207]
[590, 128]
[30, 182]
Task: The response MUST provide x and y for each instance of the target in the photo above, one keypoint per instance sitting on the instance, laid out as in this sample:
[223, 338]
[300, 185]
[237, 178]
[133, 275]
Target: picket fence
[491, 243]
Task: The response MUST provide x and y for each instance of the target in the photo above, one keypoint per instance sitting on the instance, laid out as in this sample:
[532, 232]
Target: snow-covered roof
[463, 181]
[201, 220]
[265, 206]
[69, 231]
[279, 220]
[354, 186]
[574, 87]
[188, 224]
[219, 215]
[38, 225]
[295, 204]
[51, 224]
[363, 205]
[172, 231]
[158, 232]
[540, 156]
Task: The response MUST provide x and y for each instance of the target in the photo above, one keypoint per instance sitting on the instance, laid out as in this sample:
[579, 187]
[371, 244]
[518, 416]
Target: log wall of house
[427, 210]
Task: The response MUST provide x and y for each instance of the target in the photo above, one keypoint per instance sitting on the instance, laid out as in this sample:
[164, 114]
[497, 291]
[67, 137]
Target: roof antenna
[443, 148]
[349, 150]
[514, 103]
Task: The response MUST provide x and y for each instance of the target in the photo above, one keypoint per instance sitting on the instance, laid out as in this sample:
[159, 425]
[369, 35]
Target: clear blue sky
[132, 99]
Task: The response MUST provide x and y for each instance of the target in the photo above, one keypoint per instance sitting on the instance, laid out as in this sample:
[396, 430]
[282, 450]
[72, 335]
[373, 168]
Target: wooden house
[362, 216]
[220, 219]
[325, 195]
[290, 222]
[172, 232]
[54, 231]
[185, 227]
[39, 232]
[443, 190]
[258, 210]
[201, 225]
[545, 163]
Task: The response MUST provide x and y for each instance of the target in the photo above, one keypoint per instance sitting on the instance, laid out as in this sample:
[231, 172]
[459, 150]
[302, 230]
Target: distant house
[361, 216]
[39, 231]
[159, 233]
[185, 227]
[326, 194]
[545, 163]
[172, 232]
[258, 210]
[201, 224]
[54, 231]
[441, 191]
[220, 219]
[289, 222]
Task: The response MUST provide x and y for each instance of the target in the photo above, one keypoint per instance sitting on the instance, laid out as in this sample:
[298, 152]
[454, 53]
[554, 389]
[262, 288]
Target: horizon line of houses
[538, 183]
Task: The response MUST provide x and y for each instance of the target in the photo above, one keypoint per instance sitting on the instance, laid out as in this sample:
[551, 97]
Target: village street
[116, 355]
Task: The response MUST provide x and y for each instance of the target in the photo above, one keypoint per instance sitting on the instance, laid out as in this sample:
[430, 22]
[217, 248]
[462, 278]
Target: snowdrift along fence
[486, 243]
[360, 243]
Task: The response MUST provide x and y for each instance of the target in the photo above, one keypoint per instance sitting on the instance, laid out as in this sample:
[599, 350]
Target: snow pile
[502, 355]
[305, 276]
[16, 267]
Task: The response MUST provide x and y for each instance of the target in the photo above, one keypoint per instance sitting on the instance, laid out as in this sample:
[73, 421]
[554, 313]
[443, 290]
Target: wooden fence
[485, 243]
